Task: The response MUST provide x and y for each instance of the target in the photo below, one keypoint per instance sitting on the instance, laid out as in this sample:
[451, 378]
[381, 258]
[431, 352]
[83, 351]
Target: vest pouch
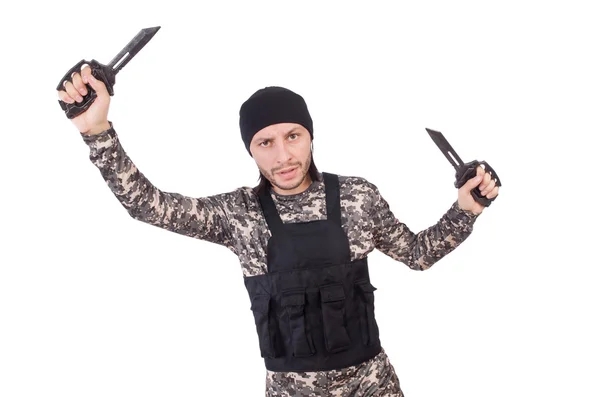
[262, 317]
[370, 331]
[333, 308]
[294, 303]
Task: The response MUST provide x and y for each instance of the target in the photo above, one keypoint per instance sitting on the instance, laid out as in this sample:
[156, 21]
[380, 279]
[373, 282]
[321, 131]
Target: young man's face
[283, 147]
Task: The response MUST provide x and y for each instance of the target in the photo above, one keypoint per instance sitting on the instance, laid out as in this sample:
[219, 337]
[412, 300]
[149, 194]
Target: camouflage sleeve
[419, 251]
[203, 218]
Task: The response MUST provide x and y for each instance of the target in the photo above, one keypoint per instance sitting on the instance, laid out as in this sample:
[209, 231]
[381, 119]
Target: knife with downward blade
[464, 171]
[105, 73]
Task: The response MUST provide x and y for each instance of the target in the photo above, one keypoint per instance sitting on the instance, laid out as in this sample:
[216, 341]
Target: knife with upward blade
[464, 171]
[105, 73]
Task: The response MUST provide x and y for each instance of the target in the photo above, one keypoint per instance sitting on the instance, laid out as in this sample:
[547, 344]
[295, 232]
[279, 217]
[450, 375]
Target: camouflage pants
[373, 378]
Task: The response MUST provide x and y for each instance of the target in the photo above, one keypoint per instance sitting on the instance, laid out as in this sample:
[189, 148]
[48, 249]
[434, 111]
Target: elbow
[134, 212]
[138, 214]
[422, 263]
[139, 211]
[419, 268]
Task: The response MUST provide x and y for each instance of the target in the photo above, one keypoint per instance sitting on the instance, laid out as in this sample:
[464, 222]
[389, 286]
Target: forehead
[274, 130]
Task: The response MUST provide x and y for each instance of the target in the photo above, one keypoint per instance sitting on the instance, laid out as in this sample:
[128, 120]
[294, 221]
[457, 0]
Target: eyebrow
[270, 138]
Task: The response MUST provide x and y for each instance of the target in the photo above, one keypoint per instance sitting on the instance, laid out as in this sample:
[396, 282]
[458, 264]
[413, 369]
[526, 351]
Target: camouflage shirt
[234, 220]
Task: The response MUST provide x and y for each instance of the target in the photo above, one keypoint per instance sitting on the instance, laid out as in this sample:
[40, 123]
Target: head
[277, 131]
[283, 155]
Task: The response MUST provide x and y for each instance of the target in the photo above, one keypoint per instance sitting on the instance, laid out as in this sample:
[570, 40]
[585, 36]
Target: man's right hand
[95, 119]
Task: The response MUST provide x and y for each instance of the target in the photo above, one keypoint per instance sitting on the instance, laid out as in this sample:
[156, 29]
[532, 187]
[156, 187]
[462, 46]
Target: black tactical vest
[314, 308]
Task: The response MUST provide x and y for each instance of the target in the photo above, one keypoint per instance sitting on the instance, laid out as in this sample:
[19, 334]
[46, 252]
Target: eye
[261, 144]
[294, 135]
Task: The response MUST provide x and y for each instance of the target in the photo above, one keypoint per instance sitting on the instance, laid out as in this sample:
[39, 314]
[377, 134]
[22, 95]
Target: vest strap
[332, 198]
[332, 192]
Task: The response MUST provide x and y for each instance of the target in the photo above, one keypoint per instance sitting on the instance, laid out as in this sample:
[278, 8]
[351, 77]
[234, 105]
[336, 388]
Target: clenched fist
[482, 181]
[95, 119]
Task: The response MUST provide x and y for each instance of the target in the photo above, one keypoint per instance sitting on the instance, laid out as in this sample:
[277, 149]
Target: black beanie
[272, 105]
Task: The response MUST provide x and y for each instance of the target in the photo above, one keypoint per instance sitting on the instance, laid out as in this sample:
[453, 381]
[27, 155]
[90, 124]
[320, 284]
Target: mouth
[288, 172]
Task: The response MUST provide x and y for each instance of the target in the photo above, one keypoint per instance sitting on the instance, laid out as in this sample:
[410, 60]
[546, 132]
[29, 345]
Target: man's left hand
[482, 181]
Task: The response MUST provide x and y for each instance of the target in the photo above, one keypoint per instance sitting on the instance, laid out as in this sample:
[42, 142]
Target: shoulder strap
[271, 215]
[332, 193]
[332, 198]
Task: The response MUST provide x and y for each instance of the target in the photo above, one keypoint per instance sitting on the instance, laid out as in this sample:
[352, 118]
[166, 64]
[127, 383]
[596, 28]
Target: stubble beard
[303, 168]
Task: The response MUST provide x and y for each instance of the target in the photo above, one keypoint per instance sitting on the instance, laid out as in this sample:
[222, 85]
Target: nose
[283, 155]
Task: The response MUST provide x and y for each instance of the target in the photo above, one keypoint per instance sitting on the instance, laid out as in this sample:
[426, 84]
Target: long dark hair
[264, 183]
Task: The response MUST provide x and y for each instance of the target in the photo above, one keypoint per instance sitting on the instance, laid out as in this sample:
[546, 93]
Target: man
[302, 238]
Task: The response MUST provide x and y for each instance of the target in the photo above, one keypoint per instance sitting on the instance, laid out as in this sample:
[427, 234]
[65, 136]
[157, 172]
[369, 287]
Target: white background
[93, 303]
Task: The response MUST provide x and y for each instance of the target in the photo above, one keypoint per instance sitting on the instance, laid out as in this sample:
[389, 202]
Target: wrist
[97, 129]
[469, 212]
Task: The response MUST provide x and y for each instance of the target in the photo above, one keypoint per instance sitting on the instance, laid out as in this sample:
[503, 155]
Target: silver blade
[445, 147]
[132, 48]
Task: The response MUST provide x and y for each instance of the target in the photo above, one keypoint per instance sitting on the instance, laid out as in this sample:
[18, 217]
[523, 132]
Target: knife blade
[443, 144]
[464, 171]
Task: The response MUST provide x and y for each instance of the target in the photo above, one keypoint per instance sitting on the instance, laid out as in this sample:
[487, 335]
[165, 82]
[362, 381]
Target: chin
[290, 184]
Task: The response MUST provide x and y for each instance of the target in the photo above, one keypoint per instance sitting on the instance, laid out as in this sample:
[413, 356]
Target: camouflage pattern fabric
[234, 220]
[374, 378]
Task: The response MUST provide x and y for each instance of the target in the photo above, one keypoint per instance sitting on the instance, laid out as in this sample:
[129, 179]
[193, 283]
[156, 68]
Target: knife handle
[100, 72]
[468, 171]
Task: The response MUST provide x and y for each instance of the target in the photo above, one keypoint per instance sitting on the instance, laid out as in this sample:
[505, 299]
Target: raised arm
[204, 218]
[419, 251]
